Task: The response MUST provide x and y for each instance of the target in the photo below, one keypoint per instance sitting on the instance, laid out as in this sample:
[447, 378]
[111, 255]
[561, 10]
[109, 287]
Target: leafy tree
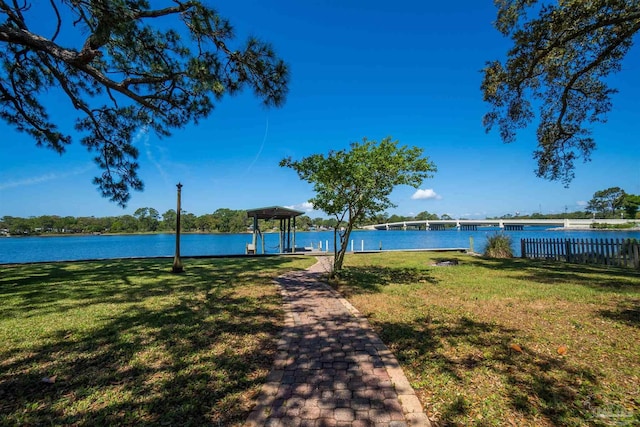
[16, 225]
[303, 222]
[46, 222]
[70, 224]
[397, 218]
[169, 220]
[354, 184]
[560, 57]
[631, 205]
[187, 221]
[148, 219]
[230, 221]
[124, 66]
[422, 216]
[125, 224]
[606, 202]
[205, 222]
[331, 223]
[379, 218]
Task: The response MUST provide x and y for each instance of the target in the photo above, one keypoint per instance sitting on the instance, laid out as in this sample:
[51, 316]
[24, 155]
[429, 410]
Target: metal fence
[617, 252]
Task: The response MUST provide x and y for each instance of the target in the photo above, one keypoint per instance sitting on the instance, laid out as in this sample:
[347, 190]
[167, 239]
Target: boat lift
[287, 241]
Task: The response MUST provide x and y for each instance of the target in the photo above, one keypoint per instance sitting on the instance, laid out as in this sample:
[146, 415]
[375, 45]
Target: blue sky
[405, 69]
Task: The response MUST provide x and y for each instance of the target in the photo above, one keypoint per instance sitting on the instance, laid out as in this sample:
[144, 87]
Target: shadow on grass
[549, 272]
[371, 279]
[450, 350]
[62, 287]
[614, 280]
[190, 349]
[535, 382]
[627, 312]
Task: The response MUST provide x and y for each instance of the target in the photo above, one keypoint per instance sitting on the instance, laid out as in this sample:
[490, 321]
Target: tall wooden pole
[177, 264]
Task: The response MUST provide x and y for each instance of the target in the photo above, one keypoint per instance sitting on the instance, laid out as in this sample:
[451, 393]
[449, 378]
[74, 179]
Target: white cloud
[142, 137]
[581, 203]
[28, 181]
[306, 207]
[425, 194]
[44, 178]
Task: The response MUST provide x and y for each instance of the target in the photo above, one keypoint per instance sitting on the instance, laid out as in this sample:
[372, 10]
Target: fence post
[619, 252]
[619, 248]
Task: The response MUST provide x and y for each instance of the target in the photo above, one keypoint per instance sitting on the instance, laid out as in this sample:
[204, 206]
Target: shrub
[605, 226]
[498, 246]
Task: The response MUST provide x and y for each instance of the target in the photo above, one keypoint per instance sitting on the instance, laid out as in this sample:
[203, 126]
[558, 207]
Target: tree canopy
[614, 201]
[631, 205]
[606, 202]
[145, 220]
[354, 184]
[558, 63]
[124, 66]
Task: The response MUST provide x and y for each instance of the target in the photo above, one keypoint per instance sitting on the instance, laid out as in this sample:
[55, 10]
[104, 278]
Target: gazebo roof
[273, 212]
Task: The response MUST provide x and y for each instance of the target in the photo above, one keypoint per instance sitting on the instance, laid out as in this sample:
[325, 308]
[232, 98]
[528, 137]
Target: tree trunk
[339, 254]
[332, 274]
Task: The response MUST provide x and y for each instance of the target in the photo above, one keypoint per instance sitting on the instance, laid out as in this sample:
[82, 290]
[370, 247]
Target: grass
[484, 342]
[126, 342]
[507, 341]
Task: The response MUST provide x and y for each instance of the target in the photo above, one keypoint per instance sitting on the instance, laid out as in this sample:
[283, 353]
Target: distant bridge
[503, 224]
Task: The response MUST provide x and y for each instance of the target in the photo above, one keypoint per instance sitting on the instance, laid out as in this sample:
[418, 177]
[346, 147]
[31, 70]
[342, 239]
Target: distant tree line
[538, 215]
[610, 203]
[149, 220]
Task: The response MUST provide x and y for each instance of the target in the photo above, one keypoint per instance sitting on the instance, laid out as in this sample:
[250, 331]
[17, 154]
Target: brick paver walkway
[331, 368]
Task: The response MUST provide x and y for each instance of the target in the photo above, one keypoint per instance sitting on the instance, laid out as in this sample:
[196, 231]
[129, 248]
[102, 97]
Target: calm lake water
[33, 249]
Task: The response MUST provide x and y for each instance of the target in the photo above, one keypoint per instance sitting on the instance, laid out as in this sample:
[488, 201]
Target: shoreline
[592, 229]
[77, 247]
[153, 233]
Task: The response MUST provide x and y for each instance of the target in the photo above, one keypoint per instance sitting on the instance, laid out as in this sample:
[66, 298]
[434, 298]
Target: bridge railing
[617, 252]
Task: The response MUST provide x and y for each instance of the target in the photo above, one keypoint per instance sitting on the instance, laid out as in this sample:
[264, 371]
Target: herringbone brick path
[331, 368]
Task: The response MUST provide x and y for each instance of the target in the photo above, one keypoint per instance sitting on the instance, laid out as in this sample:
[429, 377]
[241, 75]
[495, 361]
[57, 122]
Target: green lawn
[128, 343]
[485, 342]
[507, 342]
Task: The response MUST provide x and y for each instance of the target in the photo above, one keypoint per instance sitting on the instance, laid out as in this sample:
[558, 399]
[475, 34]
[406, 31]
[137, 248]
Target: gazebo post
[288, 234]
[255, 235]
[282, 236]
[294, 234]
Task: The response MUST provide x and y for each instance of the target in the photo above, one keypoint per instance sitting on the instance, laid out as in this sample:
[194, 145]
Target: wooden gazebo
[287, 241]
